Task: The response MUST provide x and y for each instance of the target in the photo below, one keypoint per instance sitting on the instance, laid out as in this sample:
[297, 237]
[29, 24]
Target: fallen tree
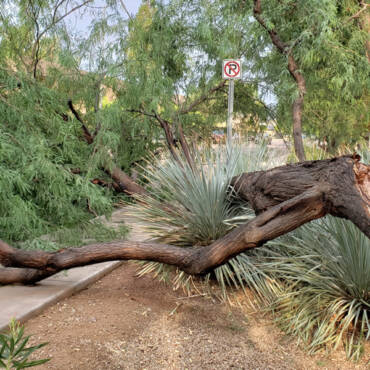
[283, 198]
[122, 182]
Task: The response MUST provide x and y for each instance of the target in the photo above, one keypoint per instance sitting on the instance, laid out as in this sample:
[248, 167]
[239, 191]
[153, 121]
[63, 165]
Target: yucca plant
[188, 207]
[365, 155]
[316, 281]
[326, 295]
[13, 351]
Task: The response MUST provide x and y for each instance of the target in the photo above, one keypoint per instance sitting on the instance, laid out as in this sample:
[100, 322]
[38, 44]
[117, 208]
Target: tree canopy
[131, 82]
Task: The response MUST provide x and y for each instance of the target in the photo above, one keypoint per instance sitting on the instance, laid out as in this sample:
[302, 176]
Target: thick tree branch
[125, 182]
[87, 134]
[257, 12]
[277, 221]
[284, 198]
[346, 180]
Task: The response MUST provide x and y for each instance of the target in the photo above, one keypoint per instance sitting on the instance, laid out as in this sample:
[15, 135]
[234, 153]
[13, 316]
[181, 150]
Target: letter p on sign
[231, 69]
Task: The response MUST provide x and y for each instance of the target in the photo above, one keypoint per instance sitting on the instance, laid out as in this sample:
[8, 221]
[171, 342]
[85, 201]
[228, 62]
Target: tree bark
[185, 146]
[283, 198]
[345, 179]
[169, 136]
[89, 138]
[276, 221]
[125, 182]
[297, 107]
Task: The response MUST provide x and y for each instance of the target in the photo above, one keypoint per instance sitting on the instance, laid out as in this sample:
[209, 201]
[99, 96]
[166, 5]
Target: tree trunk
[283, 198]
[125, 182]
[297, 107]
[346, 184]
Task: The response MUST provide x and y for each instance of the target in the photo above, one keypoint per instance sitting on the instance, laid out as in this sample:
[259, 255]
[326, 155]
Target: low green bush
[14, 353]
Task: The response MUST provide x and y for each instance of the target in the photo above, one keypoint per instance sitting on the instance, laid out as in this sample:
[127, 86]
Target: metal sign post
[230, 109]
[231, 70]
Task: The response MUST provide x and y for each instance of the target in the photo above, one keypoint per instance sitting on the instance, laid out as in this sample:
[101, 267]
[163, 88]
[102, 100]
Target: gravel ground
[126, 322]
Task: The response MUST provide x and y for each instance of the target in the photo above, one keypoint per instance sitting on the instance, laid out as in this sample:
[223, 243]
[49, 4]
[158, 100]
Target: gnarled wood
[284, 198]
[276, 221]
[346, 180]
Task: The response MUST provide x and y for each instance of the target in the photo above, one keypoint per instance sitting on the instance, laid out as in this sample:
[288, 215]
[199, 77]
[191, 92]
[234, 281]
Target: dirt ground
[127, 322]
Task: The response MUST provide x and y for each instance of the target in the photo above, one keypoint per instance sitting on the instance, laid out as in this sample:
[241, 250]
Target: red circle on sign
[234, 71]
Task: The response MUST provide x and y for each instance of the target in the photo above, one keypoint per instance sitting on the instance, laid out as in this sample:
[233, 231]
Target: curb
[24, 302]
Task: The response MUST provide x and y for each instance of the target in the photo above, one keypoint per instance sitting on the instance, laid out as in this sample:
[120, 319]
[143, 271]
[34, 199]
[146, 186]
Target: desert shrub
[315, 280]
[200, 202]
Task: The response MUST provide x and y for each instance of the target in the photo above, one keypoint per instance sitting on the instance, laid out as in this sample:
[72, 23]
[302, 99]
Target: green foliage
[174, 54]
[13, 351]
[329, 48]
[79, 235]
[39, 151]
[177, 47]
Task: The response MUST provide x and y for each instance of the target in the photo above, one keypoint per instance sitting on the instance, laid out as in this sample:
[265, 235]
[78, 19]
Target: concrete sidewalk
[23, 302]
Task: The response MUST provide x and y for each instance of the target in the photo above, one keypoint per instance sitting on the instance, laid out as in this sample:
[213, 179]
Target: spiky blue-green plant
[189, 207]
[316, 281]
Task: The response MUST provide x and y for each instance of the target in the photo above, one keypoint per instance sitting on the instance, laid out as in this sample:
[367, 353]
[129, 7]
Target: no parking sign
[232, 69]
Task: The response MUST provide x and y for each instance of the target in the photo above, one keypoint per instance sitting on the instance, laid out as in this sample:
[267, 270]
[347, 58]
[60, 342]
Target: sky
[132, 5]
[80, 22]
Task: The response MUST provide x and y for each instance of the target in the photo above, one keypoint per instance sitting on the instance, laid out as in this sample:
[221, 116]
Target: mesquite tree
[314, 56]
[79, 111]
[283, 198]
